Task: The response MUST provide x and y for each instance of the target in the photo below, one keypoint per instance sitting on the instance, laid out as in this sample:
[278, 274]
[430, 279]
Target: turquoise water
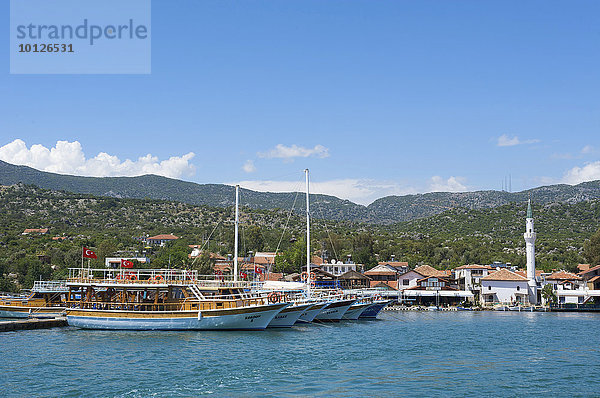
[403, 353]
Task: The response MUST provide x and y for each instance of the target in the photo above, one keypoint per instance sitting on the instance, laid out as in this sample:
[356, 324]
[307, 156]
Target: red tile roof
[504, 275]
[563, 275]
[474, 266]
[386, 284]
[163, 237]
[37, 230]
[427, 270]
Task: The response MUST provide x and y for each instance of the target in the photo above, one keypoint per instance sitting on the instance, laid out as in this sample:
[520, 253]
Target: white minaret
[529, 236]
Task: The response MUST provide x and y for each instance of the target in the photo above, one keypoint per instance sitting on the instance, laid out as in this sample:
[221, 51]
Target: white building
[338, 268]
[504, 287]
[468, 277]
[409, 280]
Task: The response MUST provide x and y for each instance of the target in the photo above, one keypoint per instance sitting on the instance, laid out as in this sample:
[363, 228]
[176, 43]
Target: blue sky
[375, 97]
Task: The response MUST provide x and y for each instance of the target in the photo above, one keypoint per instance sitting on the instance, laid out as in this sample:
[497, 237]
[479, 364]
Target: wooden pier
[34, 323]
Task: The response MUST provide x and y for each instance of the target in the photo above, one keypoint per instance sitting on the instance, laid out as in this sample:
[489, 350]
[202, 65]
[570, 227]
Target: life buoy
[158, 278]
[119, 277]
[273, 297]
[131, 277]
[304, 276]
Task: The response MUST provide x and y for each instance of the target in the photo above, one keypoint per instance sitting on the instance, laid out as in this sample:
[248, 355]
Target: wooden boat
[46, 300]
[163, 300]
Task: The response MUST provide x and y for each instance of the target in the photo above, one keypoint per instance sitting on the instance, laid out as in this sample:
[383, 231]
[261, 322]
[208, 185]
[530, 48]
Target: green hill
[387, 210]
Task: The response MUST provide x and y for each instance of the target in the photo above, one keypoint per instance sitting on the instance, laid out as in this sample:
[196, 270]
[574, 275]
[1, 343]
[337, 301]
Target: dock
[33, 323]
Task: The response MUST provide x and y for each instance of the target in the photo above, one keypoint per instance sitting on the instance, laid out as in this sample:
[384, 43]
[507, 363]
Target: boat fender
[199, 315]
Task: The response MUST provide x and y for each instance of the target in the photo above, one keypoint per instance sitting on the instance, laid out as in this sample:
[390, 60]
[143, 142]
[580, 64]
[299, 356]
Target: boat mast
[307, 237]
[237, 221]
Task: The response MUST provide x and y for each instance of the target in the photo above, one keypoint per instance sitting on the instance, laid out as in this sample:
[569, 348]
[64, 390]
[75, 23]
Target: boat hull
[246, 318]
[355, 311]
[374, 309]
[334, 311]
[289, 316]
[310, 314]
[9, 311]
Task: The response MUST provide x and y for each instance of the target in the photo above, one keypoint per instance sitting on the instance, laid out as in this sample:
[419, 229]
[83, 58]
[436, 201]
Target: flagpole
[82, 257]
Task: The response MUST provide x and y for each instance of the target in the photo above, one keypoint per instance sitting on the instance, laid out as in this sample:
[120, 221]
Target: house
[409, 279]
[400, 266]
[427, 270]
[568, 287]
[435, 290]
[383, 274]
[591, 276]
[504, 287]
[468, 277]
[39, 231]
[354, 280]
[161, 240]
[338, 268]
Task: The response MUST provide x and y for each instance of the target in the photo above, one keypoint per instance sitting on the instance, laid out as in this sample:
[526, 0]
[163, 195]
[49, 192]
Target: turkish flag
[87, 253]
[257, 270]
[244, 275]
[126, 263]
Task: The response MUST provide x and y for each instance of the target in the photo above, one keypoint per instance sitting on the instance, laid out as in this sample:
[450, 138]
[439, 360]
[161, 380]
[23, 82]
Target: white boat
[374, 309]
[310, 314]
[289, 316]
[355, 311]
[334, 311]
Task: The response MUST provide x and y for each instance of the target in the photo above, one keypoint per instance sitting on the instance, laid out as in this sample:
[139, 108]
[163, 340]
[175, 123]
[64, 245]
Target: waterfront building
[409, 279]
[383, 275]
[504, 287]
[591, 276]
[468, 277]
[435, 290]
[354, 280]
[339, 268]
[569, 288]
[400, 266]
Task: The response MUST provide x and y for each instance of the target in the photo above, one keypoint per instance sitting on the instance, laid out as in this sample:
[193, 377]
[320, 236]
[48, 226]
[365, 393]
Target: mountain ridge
[386, 210]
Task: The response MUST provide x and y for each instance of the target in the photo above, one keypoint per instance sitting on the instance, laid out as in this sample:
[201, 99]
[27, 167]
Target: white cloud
[589, 172]
[452, 184]
[587, 149]
[290, 152]
[505, 140]
[68, 158]
[249, 166]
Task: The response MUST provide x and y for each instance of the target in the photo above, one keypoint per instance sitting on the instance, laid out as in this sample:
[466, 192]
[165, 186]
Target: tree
[548, 294]
[591, 249]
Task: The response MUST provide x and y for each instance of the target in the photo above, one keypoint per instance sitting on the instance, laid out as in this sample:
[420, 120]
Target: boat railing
[50, 286]
[130, 276]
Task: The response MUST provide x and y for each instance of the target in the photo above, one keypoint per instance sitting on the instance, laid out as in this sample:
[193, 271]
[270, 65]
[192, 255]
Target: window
[405, 282]
[489, 288]
[518, 288]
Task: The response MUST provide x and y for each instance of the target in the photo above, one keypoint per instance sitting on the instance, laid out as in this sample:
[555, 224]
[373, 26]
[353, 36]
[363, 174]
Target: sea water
[401, 354]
